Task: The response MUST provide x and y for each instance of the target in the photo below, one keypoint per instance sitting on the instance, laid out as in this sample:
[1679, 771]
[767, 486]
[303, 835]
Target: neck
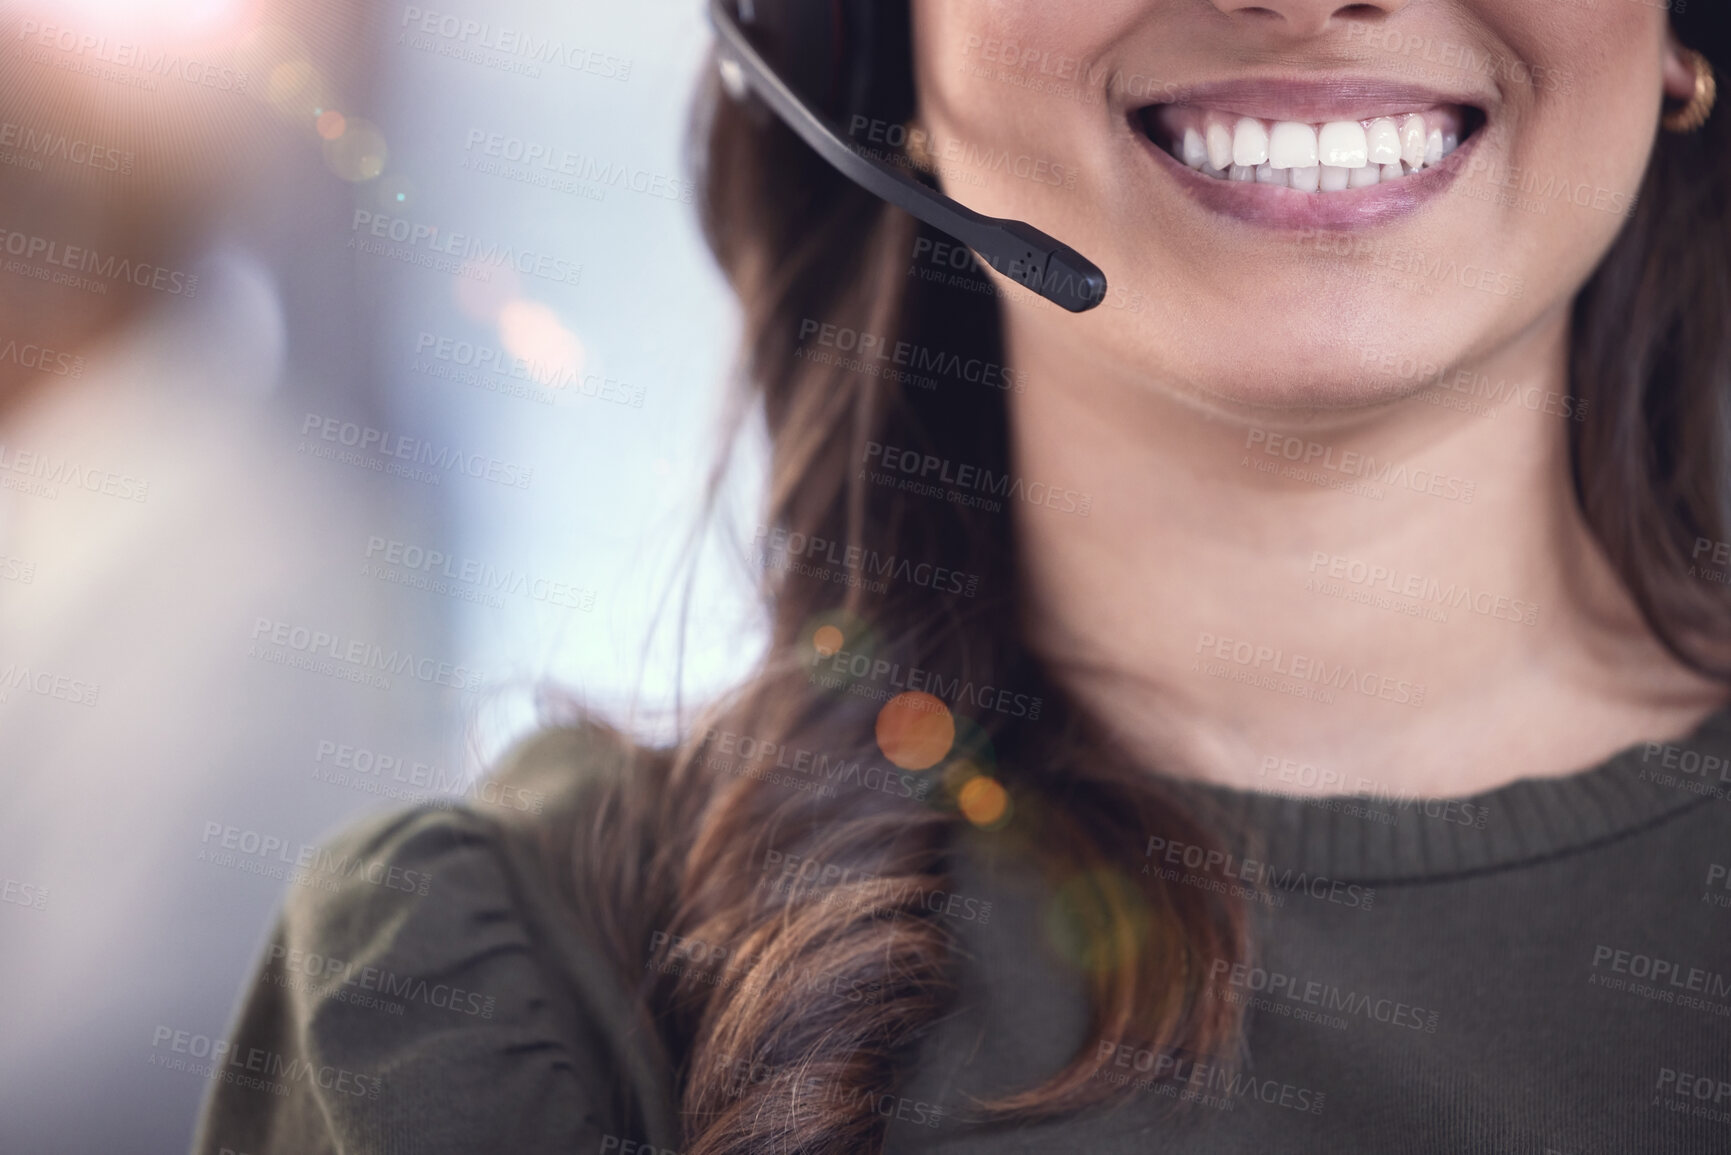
[1401, 597]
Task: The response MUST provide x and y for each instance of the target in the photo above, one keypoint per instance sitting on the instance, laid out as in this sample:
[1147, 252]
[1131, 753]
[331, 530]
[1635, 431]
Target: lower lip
[1283, 208]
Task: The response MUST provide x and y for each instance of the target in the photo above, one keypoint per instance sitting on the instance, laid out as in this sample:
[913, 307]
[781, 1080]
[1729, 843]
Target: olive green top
[1540, 968]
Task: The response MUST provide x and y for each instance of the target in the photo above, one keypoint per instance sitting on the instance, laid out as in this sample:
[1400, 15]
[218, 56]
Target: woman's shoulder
[425, 988]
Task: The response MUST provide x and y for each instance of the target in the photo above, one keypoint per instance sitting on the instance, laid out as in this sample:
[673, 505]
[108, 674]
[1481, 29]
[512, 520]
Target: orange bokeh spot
[915, 730]
[827, 640]
[331, 124]
[983, 800]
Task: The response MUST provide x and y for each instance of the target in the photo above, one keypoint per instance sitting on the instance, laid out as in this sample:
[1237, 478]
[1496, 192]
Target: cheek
[991, 71]
[1583, 88]
[1011, 97]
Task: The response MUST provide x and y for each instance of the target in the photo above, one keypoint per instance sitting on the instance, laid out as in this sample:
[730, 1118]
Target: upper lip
[1314, 100]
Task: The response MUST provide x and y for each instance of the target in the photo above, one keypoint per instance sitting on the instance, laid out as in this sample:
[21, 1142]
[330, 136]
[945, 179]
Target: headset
[806, 58]
[822, 53]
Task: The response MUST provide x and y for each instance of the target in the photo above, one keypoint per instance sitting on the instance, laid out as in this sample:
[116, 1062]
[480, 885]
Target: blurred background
[360, 367]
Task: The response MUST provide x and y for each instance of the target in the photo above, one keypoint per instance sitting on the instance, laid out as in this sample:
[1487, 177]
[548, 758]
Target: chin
[1297, 361]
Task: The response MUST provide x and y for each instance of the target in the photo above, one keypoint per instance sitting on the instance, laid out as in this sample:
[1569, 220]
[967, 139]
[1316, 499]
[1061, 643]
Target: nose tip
[1307, 17]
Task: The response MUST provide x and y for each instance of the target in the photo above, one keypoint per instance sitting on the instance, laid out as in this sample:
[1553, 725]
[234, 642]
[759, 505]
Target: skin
[1220, 334]
[190, 150]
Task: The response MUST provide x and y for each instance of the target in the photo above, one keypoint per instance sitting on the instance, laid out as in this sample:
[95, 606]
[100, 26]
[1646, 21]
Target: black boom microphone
[1014, 248]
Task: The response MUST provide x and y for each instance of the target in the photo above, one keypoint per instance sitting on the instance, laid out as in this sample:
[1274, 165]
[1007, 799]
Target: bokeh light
[915, 730]
[359, 153]
[162, 18]
[828, 640]
[984, 802]
[395, 192]
[1098, 920]
[534, 332]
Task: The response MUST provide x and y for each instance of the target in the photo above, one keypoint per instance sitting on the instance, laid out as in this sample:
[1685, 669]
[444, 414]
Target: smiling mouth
[1319, 157]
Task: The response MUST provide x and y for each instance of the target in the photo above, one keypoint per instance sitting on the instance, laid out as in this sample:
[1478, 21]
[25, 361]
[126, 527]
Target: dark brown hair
[678, 849]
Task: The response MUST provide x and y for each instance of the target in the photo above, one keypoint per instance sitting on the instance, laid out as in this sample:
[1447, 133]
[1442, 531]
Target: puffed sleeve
[411, 999]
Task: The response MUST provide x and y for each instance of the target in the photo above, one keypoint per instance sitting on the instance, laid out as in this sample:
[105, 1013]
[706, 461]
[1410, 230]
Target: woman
[1281, 707]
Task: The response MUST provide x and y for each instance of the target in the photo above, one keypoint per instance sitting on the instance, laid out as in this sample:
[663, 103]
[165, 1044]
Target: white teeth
[1219, 141]
[1249, 142]
[1342, 143]
[1384, 141]
[1412, 141]
[1291, 145]
[1194, 152]
[1330, 157]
